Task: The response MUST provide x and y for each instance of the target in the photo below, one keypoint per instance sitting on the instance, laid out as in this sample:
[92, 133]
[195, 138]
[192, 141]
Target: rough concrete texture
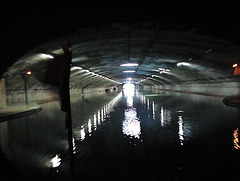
[14, 97]
[3, 98]
[215, 89]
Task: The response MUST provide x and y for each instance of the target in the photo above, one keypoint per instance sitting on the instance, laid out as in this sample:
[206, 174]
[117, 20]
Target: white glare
[183, 63]
[131, 124]
[180, 131]
[129, 71]
[162, 70]
[165, 117]
[153, 109]
[89, 126]
[43, 55]
[82, 134]
[129, 65]
[128, 89]
[76, 68]
[56, 161]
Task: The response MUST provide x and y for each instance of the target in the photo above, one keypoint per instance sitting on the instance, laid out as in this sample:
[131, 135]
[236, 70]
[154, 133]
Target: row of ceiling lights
[81, 69]
[101, 76]
[162, 70]
[129, 79]
[165, 70]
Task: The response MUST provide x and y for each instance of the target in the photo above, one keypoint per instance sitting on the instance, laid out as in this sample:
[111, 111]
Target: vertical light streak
[180, 129]
[236, 140]
[153, 109]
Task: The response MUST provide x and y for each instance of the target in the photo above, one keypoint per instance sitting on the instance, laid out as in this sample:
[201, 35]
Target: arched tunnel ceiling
[165, 54]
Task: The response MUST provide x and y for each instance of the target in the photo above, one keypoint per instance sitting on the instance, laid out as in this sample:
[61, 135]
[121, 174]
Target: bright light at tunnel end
[128, 89]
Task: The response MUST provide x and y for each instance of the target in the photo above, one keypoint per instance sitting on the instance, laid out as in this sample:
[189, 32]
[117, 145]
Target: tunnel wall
[3, 99]
[45, 95]
[212, 89]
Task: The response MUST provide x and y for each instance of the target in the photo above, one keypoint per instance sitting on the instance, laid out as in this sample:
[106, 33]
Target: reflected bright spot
[165, 117]
[74, 146]
[180, 131]
[236, 140]
[131, 124]
[89, 126]
[56, 161]
[153, 109]
[82, 134]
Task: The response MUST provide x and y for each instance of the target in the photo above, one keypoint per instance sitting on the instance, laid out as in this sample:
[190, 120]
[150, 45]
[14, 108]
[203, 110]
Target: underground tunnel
[146, 103]
[150, 55]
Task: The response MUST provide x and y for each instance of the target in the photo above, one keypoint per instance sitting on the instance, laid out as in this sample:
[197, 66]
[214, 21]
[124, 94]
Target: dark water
[140, 136]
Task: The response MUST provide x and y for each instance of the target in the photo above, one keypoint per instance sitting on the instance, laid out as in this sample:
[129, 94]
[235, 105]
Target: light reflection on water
[165, 117]
[82, 133]
[95, 120]
[168, 130]
[180, 132]
[56, 161]
[131, 124]
[87, 127]
[236, 140]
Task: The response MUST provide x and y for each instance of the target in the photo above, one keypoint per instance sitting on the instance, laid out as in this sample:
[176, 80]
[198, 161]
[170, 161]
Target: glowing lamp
[235, 65]
[29, 72]
[236, 69]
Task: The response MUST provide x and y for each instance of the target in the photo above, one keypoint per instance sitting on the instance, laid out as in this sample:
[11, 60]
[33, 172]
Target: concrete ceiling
[166, 54]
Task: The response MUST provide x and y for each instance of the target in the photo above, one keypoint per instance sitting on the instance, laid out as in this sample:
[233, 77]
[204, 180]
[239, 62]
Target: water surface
[126, 136]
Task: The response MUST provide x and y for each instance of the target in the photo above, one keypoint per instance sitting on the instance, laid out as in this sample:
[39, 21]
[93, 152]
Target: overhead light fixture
[44, 55]
[207, 51]
[128, 71]
[76, 68]
[162, 70]
[183, 63]
[129, 65]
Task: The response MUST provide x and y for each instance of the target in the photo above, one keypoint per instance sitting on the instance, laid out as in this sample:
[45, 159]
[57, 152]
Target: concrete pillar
[3, 97]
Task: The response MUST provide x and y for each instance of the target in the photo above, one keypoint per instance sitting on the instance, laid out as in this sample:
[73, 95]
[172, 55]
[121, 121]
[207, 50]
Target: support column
[3, 96]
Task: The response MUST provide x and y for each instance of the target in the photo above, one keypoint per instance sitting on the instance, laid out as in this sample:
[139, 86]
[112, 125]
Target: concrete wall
[33, 95]
[3, 98]
[45, 95]
[218, 89]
